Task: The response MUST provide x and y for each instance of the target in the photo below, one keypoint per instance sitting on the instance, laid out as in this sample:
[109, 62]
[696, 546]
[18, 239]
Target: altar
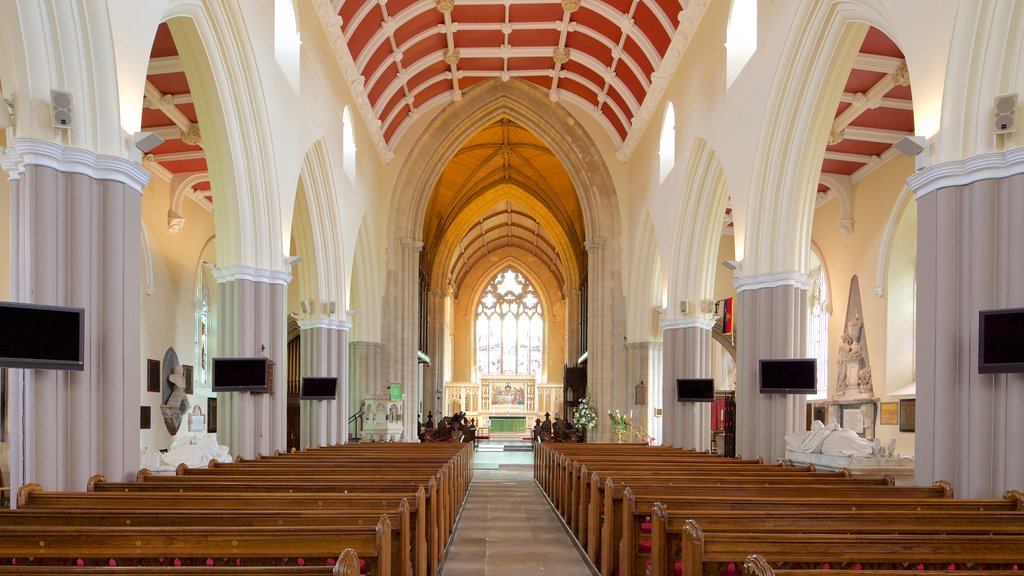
[509, 403]
[515, 424]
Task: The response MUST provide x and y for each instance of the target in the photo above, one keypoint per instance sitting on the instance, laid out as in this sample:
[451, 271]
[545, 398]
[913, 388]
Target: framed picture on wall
[211, 414]
[908, 414]
[187, 372]
[145, 418]
[3, 404]
[889, 414]
[152, 375]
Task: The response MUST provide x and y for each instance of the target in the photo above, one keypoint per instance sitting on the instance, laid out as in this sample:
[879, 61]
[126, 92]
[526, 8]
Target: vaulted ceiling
[875, 111]
[168, 111]
[504, 189]
[604, 55]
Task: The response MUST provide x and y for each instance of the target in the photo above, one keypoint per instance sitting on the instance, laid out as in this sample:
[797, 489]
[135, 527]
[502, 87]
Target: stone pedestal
[384, 418]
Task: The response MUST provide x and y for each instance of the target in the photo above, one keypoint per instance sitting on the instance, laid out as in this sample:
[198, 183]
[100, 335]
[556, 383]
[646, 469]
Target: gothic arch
[530, 107]
[701, 211]
[801, 106]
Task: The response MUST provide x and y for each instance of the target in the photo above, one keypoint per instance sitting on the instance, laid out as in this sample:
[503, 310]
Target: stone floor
[507, 527]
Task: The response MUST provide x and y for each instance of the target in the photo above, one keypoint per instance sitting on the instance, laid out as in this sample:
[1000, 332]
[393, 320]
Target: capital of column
[773, 280]
[995, 165]
[643, 345]
[27, 151]
[439, 293]
[227, 274]
[325, 323]
[595, 244]
[412, 245]
[688, 322]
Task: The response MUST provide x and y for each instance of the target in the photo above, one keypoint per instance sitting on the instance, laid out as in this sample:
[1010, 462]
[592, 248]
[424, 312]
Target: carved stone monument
[854, 374]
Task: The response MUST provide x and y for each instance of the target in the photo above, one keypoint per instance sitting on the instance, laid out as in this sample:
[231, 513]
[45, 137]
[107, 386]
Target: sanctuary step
[503, 445]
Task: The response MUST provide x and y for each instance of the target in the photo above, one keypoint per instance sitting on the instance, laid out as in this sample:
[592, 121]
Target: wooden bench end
[1015, 496]
[756, 565]
[25, 491]
[141, 475]
[947, 487]
[90, 485]
[180, 469]
[348, 563]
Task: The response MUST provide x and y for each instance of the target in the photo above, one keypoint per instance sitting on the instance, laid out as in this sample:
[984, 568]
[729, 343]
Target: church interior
[776, 231]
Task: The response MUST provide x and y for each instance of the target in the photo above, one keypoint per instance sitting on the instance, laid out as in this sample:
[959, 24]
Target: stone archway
[530, 107]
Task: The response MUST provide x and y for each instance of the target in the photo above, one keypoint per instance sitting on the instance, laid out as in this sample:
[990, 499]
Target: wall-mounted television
[42, 337]
[695, 390]
[1001, 341]
[788, 376]
[243, 375]
[318, 388]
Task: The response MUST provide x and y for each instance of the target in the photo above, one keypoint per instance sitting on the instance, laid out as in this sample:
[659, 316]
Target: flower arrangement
[584, 417]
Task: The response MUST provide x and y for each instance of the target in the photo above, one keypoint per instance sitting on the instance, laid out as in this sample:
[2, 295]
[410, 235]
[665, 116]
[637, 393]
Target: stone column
[970, 258]
[366, 371]
[573, 345]
[687, 354]
[75, 241]
[771, 322]
[606, 339]
[251, 319]
[643, 363]
[433, 375]
[403, 364]
[325, 353]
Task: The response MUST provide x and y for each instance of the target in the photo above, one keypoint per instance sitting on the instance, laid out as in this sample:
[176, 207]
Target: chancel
[550, 262]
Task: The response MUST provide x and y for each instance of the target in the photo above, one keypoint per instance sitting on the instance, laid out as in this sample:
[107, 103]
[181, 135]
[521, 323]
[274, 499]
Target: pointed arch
[236, 133]
[701, 211]
[367, 286]
[646, 285]
[801, 107]
[318, 229]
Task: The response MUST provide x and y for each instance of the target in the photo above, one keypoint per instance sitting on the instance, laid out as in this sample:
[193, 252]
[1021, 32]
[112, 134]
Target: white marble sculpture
[836, 441]
[854, 373]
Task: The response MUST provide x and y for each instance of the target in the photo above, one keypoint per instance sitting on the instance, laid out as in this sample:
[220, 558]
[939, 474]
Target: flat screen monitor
[789, 376]
[42, 337]
[318, 388]
[242, 375]
[695, 390]
[1001, 341]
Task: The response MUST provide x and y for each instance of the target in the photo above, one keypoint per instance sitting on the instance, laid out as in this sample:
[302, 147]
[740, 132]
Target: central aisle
[507, 527]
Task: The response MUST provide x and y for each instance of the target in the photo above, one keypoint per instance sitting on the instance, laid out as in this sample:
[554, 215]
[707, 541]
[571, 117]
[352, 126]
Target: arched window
[818, 326]
[667, 144]
[509, 326]
[201, 309]
[348, 144]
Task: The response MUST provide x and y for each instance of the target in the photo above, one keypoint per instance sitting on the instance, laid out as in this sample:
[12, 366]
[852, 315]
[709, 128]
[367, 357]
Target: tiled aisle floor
[508, 528]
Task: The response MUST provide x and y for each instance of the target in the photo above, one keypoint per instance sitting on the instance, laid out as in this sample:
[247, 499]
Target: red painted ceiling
[415, 53]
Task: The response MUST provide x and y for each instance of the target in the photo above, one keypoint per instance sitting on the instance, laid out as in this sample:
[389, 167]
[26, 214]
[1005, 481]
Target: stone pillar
[970, 258]
[606, 338]
[643, 363]
[573, 345]
[771, 322]
[433, 375]
[325, 353]
[687, 354]
[403, 364]
[251, 322]
[366, 371]
[75, 241]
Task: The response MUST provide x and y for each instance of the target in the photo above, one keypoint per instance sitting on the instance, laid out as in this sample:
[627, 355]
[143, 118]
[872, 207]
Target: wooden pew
[670, 528]
[636, 511]
[757, 565]
[347, 564]
[708, 553]
[611, 527]
[63, 545]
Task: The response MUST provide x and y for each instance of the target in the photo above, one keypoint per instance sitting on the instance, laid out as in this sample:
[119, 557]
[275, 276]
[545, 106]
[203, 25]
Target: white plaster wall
[167, 317]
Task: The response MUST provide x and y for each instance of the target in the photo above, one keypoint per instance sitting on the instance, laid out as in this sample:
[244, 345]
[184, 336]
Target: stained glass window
[509, 326]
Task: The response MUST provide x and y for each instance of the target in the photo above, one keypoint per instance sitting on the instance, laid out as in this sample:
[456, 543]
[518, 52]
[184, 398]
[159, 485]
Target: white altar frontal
[504, 404]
